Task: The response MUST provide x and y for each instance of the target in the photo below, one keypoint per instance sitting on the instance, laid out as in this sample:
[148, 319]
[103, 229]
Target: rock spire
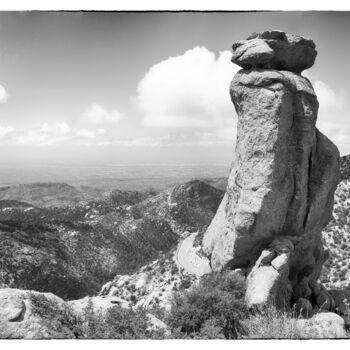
[281, 187]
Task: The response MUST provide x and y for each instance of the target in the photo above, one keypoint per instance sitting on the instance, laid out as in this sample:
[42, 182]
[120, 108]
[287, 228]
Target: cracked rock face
[285, 171]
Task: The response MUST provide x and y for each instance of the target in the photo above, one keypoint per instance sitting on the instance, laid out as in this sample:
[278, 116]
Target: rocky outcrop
[285, 171]
[33, 315]
[28, 314]
[268, 283]
[274, 50]
[324, 325]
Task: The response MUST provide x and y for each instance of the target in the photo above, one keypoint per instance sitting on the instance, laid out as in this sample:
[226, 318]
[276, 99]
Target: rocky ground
[336, 270]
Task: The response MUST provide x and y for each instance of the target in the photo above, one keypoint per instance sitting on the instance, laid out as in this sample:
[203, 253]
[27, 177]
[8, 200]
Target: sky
[146, 88]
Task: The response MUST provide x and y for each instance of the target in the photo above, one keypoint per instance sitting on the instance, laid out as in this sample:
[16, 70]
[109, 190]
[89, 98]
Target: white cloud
[90, 134]
[96, 114]
[327, 97]
[188, 91]
[45, 135]
[3, 95]
[59, 133]
[53, 135]
[332, 118]
[6, 130]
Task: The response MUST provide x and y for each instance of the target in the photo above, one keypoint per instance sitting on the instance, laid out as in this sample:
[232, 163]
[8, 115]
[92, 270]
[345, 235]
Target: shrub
[214, 306]
[60, 319]
[210, 330]
[126, 323]
[133, 298]
[185, 283]
[116, 323]
[174, 270]
[158, 311]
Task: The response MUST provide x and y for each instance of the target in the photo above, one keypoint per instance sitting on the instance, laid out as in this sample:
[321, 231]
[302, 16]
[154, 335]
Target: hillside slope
[72, 251]
[336, 236]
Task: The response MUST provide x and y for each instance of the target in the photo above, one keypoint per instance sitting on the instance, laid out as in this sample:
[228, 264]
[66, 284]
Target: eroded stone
[281, 187]
[274, 50]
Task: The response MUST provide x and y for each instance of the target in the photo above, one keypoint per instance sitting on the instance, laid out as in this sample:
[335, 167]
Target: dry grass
[273, 324]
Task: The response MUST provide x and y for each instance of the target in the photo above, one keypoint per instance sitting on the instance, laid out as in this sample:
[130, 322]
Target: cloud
[90, 134]
[188, 91]
[96, 114]
[45, 135]
[3, 95]
[328, 98]
[332, 114]
[6, 130]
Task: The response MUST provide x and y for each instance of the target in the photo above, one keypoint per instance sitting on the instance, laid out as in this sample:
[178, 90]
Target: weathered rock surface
[324, 325]
[269, 278]
[99, 304]
[274, 50]
[28, 314]
[32, 315]
[284, 175]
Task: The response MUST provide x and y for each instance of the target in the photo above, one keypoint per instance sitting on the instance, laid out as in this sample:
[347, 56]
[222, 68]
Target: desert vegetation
[212, 309]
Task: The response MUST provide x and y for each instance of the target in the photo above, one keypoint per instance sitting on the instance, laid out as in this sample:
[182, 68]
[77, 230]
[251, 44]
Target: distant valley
[71, 250]
[70, 240]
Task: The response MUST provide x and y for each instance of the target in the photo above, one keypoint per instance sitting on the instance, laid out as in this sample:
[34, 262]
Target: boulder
[158, 325]
[327, 325]
[267, 283]
[274, 50]
[33, 315]
[281, 186]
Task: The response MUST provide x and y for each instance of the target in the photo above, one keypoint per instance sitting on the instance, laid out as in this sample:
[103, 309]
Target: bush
[60, 319]
[117, 323]
[185, 283]
[133, 298]
[158, 311]
[174, 270]
[215, 306]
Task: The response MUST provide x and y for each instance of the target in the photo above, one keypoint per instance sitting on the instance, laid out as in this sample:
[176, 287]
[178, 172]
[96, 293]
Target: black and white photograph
[174, 175]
